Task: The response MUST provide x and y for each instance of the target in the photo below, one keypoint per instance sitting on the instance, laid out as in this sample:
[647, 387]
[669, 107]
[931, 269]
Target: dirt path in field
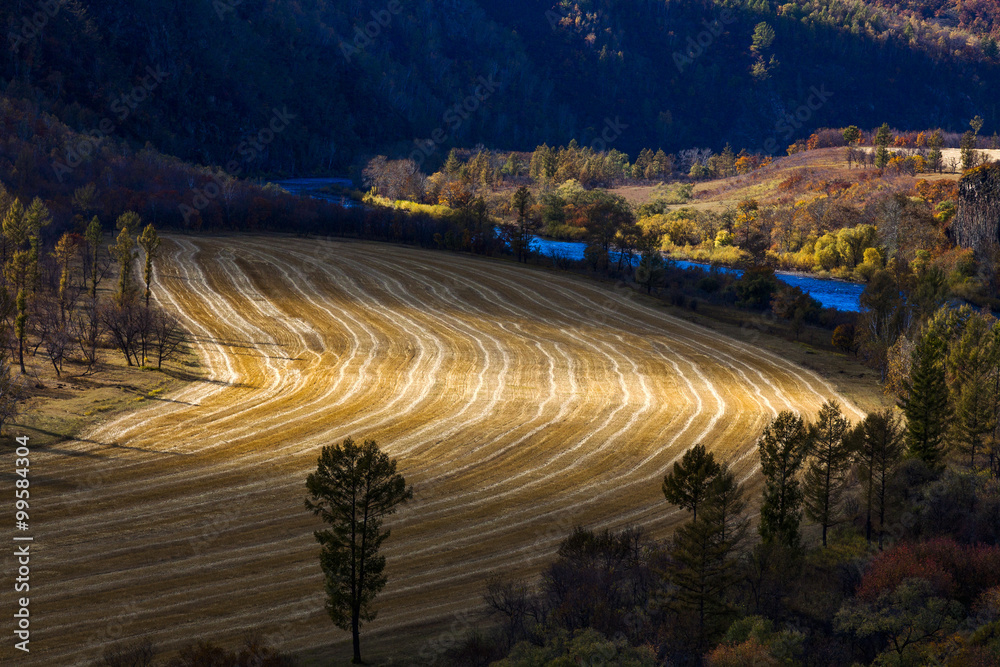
[519, 403]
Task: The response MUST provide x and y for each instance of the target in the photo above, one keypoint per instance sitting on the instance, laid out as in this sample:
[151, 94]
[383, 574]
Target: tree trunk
[355, 634]
[868, 503]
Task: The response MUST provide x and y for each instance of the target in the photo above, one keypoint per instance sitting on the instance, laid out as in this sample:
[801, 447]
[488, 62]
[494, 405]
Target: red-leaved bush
[955, 570]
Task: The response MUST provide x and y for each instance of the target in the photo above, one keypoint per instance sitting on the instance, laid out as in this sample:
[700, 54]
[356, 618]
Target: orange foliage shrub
[953, 569]
[750, 653]
[936, 191]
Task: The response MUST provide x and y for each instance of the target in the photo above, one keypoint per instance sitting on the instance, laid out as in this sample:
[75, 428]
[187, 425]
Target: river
[837, 294]
[830, 293]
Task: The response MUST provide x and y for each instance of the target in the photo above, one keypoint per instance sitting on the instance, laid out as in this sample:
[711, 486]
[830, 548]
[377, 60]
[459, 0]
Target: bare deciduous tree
[167, 336]
[11, 393]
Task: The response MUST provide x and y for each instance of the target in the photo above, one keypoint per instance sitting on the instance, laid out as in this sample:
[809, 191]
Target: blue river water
[830, 293]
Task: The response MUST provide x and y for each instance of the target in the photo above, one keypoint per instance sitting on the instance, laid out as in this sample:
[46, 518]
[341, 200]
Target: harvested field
[519, 403]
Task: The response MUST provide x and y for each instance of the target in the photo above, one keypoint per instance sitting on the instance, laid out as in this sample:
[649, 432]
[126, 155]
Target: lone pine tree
[353, 490]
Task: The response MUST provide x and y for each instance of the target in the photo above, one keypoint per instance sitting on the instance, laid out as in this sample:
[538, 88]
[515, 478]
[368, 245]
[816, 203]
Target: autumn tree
[826, 472]
[843, 338]
[750, 236]
[852, 135]
[782, 448]
[353, 490]
[166, 336]
[606, 216]
[907, 617]
[11, 393]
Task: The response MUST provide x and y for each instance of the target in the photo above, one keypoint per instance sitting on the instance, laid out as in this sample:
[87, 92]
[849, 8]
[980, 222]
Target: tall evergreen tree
[935, 159]
[971, 362]
[16, 233]
[688, 484]
[830, 458]
[94, 235]
[64, 253]
[883, 137]
[521, 202]
[704, 559]
[879, 447]
[782, 447]
[925, 401]
[353, 490]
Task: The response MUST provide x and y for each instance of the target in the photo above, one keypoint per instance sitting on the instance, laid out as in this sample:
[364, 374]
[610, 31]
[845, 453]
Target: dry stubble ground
[518, 402]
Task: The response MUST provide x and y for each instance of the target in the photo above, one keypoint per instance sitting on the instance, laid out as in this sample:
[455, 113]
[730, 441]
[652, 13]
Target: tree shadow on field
[183, 376]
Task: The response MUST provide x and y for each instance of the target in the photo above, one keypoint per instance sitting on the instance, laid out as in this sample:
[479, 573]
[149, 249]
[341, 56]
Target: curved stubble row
[519, 403]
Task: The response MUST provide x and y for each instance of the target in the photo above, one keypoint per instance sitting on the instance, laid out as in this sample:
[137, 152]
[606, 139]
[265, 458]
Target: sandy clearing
[519, 403]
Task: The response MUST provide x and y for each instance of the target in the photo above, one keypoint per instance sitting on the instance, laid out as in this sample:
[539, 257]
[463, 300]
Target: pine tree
[36, 217]
[879, 447]
[122, 251]
[129, 220]
[782, 448]
[704, 559]
[64, 253]
[934, 157]
[974, 418]
[353, 490]
[830, 458]
[94, 235]
[521, 202]
[22, 227]
[925, 401]
[150, 243]
[882, 139]
[688, 484]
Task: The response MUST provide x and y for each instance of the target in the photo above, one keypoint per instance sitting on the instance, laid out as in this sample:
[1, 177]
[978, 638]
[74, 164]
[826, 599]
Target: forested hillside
[348, 79]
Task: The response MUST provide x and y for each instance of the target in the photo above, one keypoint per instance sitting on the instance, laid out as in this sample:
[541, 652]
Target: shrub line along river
[837, 294]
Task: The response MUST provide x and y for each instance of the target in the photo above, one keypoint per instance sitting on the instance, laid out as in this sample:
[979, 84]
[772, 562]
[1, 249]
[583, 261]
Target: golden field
[519, 403]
